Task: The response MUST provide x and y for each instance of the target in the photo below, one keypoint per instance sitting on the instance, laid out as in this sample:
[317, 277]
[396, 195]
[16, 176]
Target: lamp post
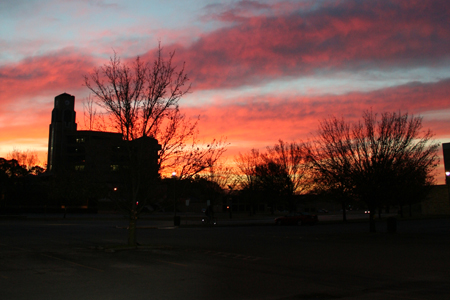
[230, 201]
[176, 219]
[447, 183]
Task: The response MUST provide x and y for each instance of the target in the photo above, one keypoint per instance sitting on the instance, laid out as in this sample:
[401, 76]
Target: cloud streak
[343, 35]
[296, 117]
[256, 49]
[46, 75]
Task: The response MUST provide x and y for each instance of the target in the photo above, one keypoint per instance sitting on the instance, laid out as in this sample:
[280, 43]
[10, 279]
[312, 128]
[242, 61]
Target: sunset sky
[260, 70]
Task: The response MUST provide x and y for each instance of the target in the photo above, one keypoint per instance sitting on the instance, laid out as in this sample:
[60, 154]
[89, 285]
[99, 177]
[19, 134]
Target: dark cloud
[339, 35]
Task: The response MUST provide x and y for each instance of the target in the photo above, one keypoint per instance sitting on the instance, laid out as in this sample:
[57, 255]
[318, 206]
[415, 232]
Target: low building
[436, 202]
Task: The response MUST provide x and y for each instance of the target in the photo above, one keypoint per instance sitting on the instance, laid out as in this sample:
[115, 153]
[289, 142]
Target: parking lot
[84, 258]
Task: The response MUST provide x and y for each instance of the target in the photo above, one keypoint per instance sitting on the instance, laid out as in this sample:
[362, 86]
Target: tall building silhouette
[446, 152]
[63, 123]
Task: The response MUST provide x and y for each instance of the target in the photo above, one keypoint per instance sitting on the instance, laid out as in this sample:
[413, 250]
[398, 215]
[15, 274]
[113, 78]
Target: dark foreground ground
[81, 258]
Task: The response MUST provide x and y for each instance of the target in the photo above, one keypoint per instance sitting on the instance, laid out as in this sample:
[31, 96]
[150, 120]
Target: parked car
[297, 218]
[153, 207]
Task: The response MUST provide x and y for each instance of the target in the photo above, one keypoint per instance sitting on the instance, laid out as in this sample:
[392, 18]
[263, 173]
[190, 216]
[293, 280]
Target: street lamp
[176, 219]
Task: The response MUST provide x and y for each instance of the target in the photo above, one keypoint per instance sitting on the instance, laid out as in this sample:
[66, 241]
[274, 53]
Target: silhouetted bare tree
[27, 159]
[376, 160]
[277, 174]
[247, 179]
[291, 159]
[141, 99]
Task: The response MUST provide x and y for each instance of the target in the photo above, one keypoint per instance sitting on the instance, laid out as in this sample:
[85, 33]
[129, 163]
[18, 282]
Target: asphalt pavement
[85, 257]
[192, 219]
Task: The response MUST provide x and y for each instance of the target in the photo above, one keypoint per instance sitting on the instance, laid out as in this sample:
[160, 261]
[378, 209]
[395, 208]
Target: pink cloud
[267, 42]
[340, 35]
[47, 75]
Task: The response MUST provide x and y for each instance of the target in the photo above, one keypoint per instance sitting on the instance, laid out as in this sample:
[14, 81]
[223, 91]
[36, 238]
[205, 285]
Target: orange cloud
[248, 123]
[259, 123]
[260, 120]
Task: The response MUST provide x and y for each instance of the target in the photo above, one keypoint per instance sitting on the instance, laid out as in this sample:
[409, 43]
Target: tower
[63, 123]
[446, 152]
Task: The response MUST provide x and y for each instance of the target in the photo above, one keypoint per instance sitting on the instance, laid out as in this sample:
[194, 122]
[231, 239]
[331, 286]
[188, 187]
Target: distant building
[93, 152]
[446, 152]
[437, 201]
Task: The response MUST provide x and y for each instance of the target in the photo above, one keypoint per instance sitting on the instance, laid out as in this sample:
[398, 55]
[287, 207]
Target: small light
[174, 174]
[115, 189]
[447, 173]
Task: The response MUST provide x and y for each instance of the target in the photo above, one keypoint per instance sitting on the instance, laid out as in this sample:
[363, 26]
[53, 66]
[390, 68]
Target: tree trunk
[372, 228]
[344, 213]
[132, 231]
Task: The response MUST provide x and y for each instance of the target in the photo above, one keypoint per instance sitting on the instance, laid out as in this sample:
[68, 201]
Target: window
[79, 168]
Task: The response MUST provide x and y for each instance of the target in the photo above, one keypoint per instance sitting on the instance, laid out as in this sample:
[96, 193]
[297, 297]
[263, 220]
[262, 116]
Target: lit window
[79, 168]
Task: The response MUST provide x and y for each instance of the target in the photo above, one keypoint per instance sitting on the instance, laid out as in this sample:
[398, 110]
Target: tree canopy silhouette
[382, 161]
[275, 175]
